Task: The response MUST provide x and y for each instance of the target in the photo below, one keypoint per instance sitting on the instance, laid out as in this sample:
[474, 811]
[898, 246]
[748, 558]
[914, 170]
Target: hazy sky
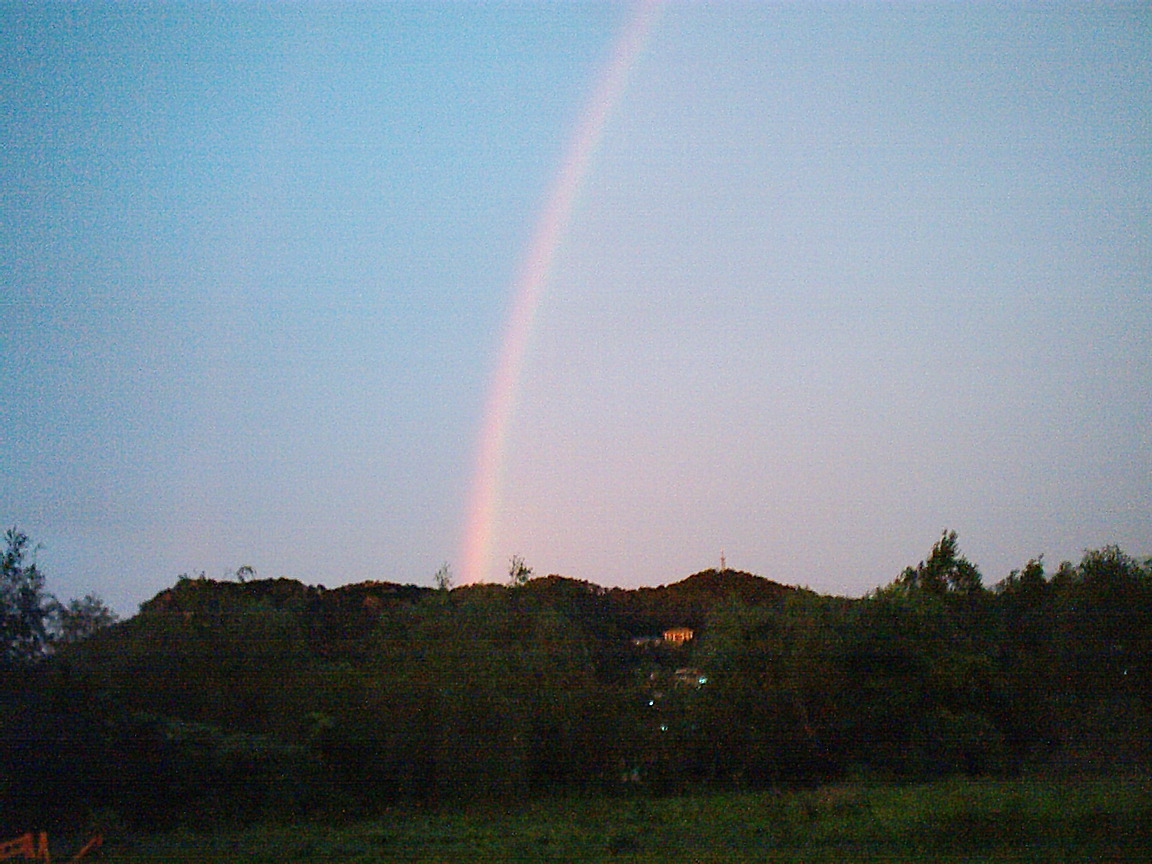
[835, 278]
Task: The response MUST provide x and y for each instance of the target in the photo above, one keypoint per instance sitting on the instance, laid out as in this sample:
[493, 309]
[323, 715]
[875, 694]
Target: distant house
[678, 635]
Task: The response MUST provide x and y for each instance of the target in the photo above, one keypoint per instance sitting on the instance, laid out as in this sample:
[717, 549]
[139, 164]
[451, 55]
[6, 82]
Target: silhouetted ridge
[721, 583]
[207, 595]
[303, 699]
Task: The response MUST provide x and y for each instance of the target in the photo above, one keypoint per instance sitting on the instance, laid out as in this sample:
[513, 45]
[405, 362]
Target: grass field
[1097, 820]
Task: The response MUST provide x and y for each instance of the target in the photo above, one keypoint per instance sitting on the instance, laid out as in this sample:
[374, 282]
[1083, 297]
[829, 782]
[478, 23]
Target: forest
[247, 700]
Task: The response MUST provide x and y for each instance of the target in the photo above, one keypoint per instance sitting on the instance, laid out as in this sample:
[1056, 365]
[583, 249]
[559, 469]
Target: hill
[272, 697]
[719, 583]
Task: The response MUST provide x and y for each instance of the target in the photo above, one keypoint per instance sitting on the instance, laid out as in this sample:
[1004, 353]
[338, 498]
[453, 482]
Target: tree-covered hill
[228, 699]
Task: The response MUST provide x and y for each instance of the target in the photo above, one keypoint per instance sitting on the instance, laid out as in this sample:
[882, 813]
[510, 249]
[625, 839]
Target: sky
[809, 284]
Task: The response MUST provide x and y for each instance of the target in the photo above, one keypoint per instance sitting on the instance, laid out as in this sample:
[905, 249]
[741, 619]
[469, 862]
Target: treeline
[32, 621]
[271, 699]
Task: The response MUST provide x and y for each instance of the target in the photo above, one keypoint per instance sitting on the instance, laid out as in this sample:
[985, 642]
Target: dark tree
[1028, 582]
[946, 570]
[518, 572]
[443, 578]
[25, 609]
[79, 619]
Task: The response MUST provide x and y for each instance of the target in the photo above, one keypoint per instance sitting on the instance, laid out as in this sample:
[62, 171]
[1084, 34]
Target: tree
[79, 619]
[1030, 581]
[1109, 573]
[442, 579]
[518, 572]
[25, 608]
[946, 570]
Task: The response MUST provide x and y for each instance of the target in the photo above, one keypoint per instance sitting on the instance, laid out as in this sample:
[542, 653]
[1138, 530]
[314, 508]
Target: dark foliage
[231, 701]
[25, 608]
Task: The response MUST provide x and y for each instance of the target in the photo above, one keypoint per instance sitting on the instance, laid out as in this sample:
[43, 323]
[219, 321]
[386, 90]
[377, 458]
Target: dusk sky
[809, 284]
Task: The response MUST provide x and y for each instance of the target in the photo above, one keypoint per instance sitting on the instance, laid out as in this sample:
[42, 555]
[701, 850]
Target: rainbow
[484, 497]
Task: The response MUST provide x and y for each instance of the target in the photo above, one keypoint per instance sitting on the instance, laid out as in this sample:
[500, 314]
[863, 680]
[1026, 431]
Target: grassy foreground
[960, 820]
